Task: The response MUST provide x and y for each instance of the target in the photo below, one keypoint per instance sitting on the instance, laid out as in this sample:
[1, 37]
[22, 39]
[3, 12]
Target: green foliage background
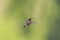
[45, 14]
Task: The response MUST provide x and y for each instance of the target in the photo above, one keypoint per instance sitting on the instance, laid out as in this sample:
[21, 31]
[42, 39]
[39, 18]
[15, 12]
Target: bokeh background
[44, 13]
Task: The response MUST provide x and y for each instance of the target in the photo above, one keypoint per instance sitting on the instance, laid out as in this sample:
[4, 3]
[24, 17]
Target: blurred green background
[44, 13]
